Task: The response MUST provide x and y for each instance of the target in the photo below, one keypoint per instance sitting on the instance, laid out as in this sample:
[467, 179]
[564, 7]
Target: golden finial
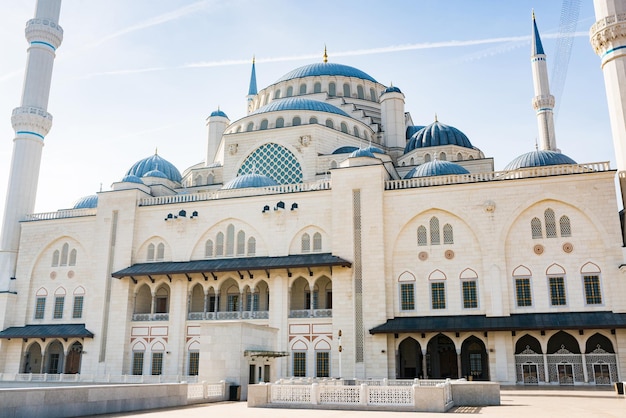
[253, 59]
[325, 55]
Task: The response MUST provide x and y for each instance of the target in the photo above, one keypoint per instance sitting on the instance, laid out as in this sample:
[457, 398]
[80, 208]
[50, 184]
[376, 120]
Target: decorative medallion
[53, 275]
[449, 254]
[70, 274]
[568, 247]
[423, 256]
[538, 249]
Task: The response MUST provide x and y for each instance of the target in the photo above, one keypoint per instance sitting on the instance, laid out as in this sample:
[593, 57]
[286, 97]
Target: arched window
[219, 244]
[72, 261]
[296, 121]
[208, 248]
[302, 88]
[346, 90]
[412, 161]
[333, 164]
[238, 129]
[329, 123]
[566, 229]
[151, 252]
[313, 120]
[448, 234]
[471, 157]
[289, 91]
[359, 92]
[317, 87]
[356, 132]
[332, 89]
[434, 231]
[373, 95]
[442, 156]
[317, 242]
[344, 128]
[241, 243]
[64, 252]
[550, 223]
[535, 227]
[161, 304]
[251, 246]
[250, 127]
[263, 124]
[160, 254]
[422, 238]
[55, 258]
[230, 240]
[306, 243]
[280, 123]
[426, 158]
[277, 94]
[459, 157]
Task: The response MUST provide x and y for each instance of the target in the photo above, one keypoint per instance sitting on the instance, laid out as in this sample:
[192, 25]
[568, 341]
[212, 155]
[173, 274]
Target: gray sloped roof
[47, 331]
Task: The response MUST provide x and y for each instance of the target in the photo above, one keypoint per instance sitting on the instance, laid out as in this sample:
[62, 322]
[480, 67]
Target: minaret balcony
[542, 102]
[31, 119]
[608, 33]
[44, 31]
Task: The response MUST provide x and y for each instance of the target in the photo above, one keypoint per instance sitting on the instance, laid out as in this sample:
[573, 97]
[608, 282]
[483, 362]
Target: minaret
[31, 123]
[543, 102]
[216, 123]
[252, 90]
[392, 119]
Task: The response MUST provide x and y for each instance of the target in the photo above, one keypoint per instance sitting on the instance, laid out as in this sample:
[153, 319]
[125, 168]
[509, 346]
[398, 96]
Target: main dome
[155, 162]
[326, 68]
[437, 134]
[539, 158]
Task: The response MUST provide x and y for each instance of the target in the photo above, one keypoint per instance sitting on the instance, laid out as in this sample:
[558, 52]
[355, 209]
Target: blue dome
[155, 173]
[298, 103]
[155, 162]
[326, 68]
[436, 168]
[412, 130]
[392, 89]
[437, 134]
[249, 180]
[362, 153]
[87, 202]
[345, 150]
[375, 150]
[131, 178]
[218, 113]
[539, 158]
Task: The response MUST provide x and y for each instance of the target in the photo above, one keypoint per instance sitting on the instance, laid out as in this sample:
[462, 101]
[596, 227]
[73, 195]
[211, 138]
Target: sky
[134, 76]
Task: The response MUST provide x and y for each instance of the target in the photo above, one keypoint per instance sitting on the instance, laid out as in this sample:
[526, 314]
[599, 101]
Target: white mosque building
[326, 234]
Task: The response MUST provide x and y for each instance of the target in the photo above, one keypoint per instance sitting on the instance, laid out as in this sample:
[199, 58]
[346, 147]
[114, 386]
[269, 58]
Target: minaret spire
[252, 90]
[31, 123]
[543, 102]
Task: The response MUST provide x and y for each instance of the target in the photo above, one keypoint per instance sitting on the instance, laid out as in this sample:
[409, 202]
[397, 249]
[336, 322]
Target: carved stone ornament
[305, 140]
[232, 149]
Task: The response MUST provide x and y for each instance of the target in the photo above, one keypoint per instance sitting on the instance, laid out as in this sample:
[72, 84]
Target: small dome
[87, 202]
[412, 130]
[131, 178]
[539, 158]
[155, 173]
[345, 150]
[437, 134]
[249, 180]
[326, 68]
[298, 103]
[436, 168]
[218, 113]
[374, 150]
[155, 162]
[364, 152]
[392, 89]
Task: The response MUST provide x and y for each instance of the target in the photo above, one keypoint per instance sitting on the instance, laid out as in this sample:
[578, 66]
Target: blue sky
[132, 76]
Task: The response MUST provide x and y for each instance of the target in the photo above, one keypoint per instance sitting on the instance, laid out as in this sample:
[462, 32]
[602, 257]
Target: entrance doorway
[410, 360]
[442, 359]
[72, 361]
[566, 374]
[530, 374]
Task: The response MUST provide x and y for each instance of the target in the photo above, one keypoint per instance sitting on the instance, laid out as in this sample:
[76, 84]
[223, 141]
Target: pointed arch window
[317, 242]
[251, 246]
[72, 261]
[208, 248]
[55, 258]
[566, 228]
[160, 255]
[219, 244]
[422, 238]
[535, 227]
[241, 243]
[306, 243]
[151, 252]
[435, 238]
[64, 253]
[448, 234]
[550, 223]
[230, 240]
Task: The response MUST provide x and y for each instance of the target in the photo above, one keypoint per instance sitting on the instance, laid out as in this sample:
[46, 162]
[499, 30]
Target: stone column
[546, 368]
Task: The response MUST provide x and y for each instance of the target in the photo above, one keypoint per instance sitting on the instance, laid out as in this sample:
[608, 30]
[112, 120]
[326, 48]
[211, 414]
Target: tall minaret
[31, 123]
[543, 102]
[252, 90]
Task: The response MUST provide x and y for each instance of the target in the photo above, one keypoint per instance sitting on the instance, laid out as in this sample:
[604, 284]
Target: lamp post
[340, 350]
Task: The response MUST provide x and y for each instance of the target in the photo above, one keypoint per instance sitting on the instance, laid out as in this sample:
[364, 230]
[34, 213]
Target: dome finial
[156, 151]
[436, 120]
[325, 54]
[536, 145]
[533, 13]
[253, 58]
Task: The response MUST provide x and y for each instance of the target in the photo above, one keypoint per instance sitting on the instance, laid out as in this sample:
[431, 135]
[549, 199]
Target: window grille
[40, 308]
[566, 229]
[59, 302]
[522, 290]
[535, 227]
[470, 298]
[317, 242]
[448, 234]
[208, 249]
[137, 363]
[322, 368]
[277, 94]
[373, 95]
[355, 131]
[550, 223]
[274, 161]
[306, 243]
[593, 295]
[194, 363]
[77, 312]
[233, 303]
[250, 127]
[407, 296]
[299, 364]
[157, 363]
[434, 231]
[313, 120]
[438, 295]
[422, 238]
[557, 291]
[219, 244]
[252, 302]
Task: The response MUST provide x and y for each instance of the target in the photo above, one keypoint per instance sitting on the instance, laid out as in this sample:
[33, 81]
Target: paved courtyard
[516, 402]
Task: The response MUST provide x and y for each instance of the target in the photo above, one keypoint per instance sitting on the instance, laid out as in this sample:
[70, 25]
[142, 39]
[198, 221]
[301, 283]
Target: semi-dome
[375, 150]
[131, 178]
[299, 103]
[249, 180]
[218, 113]
[539, 158]
[155, 162]
[326, 68]
[437, 134]
[86, 202]
[155, 173]
[436, 168]
[345, 150]
[363, 152]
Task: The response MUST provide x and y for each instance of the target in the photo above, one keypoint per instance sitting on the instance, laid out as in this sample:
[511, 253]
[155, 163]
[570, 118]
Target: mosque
[325, 234]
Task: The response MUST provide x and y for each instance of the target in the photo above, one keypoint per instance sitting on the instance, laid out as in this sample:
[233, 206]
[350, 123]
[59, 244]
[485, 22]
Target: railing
[311, 313]
[60, 214]
[206, 392]
[225, 194]
[91, 378]
[227, 315]
[551, 170]
[151, 317]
